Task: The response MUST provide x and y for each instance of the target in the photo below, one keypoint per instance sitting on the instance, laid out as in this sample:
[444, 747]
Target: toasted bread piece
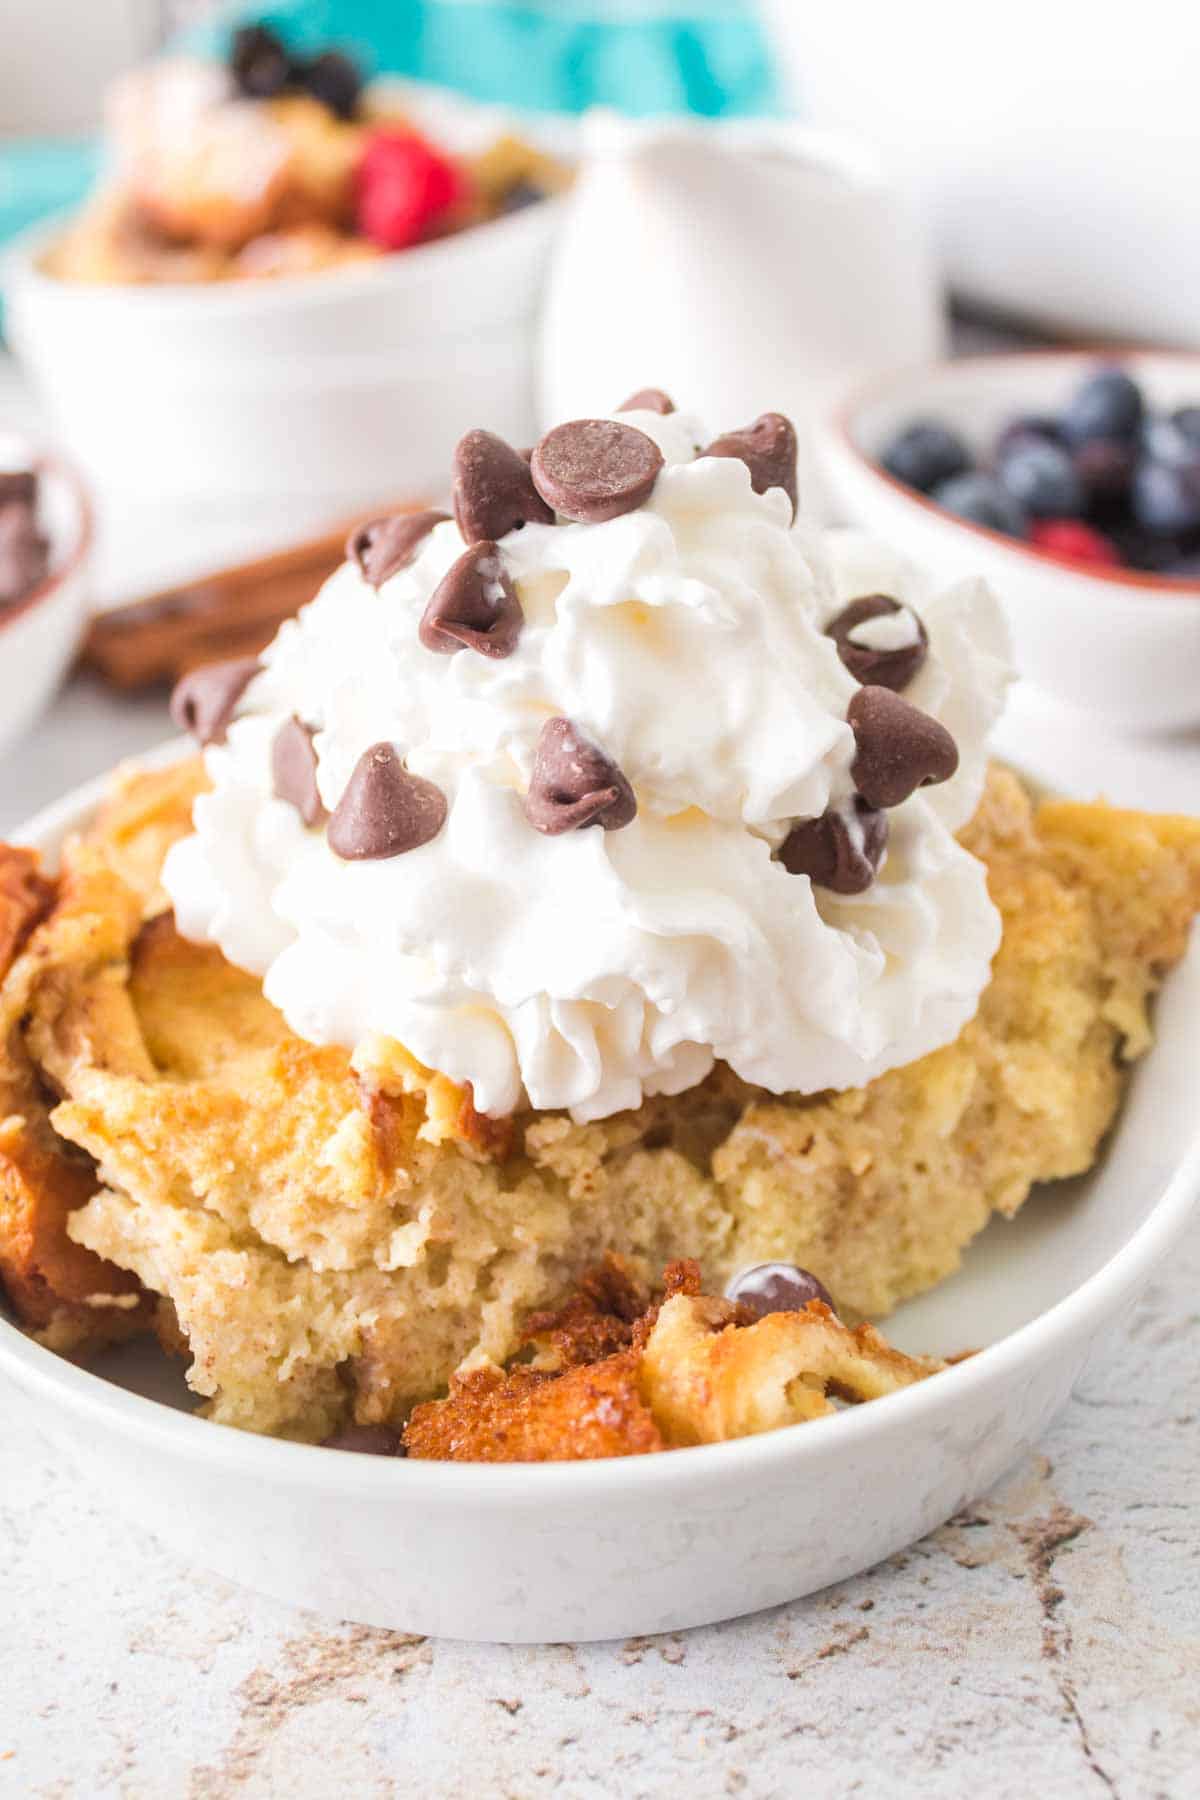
[55, 1287]
[691, 1369]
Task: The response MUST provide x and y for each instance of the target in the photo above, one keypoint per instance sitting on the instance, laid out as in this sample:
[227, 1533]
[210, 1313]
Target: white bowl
[39, 636]
[347, 388]
[1118, 642]
[656, 1543]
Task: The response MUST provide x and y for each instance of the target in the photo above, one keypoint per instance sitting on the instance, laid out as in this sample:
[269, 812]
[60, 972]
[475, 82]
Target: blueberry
[1166, 497]
[259, 62]
[1042, 477]
[1186, 420]
[925, 454]
[1104, 468]
[983, 500]
[1164, 441]
[1108, 404]
[334, 80]
[1035, 427]
[1184, 568]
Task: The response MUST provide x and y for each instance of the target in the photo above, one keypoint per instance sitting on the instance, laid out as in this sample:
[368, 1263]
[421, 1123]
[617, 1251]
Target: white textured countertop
[1046, 1642]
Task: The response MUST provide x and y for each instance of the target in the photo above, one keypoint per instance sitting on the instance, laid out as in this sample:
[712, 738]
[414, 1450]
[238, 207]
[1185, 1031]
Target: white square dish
[626, 1546]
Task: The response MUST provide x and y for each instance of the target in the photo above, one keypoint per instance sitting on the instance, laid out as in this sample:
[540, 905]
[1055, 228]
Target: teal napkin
[640, 56]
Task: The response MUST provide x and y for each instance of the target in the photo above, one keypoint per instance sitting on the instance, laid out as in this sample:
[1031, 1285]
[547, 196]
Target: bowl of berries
[290, 283]
[1073, 483]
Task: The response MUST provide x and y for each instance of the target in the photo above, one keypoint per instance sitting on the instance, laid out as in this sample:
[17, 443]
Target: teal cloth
[707, 57]
[39, 176]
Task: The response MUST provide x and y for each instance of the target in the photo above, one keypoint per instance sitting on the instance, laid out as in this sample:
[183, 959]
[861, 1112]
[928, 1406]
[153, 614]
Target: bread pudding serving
[591, 972]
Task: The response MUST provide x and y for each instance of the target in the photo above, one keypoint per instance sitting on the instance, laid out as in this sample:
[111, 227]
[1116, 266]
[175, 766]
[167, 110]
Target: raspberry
[405, 187]
[1071, 541]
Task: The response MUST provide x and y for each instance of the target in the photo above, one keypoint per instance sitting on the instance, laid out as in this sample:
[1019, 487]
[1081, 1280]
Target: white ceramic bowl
[344, 388]
[656, 1543]
[1116, 642]
[39, 636]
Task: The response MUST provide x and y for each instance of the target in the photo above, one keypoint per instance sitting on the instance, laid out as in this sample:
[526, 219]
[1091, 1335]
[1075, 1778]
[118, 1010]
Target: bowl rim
[845, 414]
[53, 462]
[20, 270]
[151, 1424]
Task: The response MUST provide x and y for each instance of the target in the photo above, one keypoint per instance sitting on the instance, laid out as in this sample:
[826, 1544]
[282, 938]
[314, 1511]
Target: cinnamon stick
[234, 612]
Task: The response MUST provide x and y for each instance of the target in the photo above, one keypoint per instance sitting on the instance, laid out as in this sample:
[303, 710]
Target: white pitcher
[744, 268]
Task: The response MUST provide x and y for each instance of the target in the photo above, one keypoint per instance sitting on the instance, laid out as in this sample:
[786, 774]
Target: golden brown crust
[594, 1409]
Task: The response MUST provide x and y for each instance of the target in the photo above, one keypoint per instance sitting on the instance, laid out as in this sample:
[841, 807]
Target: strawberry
[1071, 541]
[405, 187]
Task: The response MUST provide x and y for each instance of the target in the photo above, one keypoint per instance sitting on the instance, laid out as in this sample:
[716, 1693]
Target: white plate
[1119, 643]
[656, 1543]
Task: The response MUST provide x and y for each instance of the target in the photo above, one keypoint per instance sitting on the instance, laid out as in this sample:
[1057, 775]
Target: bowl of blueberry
[1071, 483]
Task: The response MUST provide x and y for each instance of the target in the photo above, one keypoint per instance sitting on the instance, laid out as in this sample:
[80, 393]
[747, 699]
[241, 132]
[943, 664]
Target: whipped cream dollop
[587, 969]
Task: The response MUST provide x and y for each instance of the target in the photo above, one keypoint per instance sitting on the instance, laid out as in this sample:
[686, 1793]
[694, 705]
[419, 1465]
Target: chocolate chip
[384, 810]
[596, 469]
[366, 1440]
[773, 1287]
[493, 489]
[203, 701]
[841, 850]
[474, 607]
[24, 552]
[648, 400]
[18, 487]
[385, 546]
[575, 784]
[891, 667]
[294, 770]
[899, 748]
[768, 449]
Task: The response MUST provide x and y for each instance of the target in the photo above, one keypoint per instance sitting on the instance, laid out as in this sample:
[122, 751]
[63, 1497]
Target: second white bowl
[346, 388]
[1116, 642]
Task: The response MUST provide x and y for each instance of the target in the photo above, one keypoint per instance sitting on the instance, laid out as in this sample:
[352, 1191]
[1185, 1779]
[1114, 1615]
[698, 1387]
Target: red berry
[1071, 541]
[405, 187]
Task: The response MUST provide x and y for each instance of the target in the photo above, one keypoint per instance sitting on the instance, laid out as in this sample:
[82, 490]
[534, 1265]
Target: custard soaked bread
[335, 1241]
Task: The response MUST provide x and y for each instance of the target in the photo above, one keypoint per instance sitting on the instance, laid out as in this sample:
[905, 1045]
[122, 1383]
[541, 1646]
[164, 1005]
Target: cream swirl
[587, 969]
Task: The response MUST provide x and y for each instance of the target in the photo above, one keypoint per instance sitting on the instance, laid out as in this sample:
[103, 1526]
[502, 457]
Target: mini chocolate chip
[18, 487]
[24, 552]
[890, 668]
[596, 469]
[366, 1440]
[384, 810]
[648, 400]
[203, 701]
[474, 607]
[493, 489]
[574, 784]
[768, 449]
[294, 770]
[899, 748]
[773, 1287]
[840, 850]
[384, 546]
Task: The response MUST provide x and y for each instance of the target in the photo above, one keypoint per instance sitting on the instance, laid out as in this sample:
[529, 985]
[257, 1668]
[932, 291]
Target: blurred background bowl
[1117, 642]
[1049, 155]
[40, 633]
[343, 388]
